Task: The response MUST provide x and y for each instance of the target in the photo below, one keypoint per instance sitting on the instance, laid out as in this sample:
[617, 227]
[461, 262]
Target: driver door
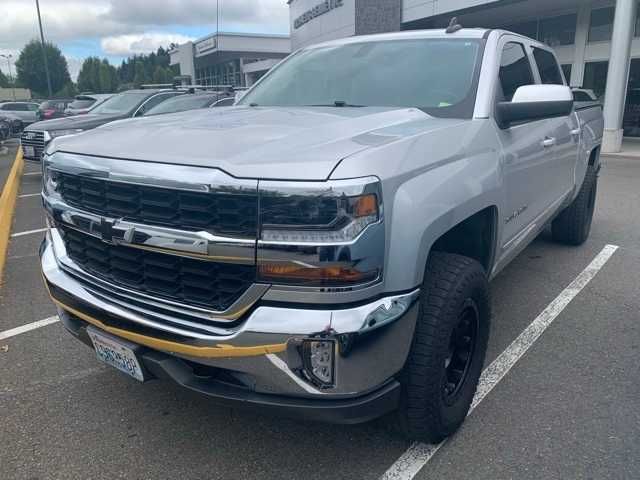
[527, 153]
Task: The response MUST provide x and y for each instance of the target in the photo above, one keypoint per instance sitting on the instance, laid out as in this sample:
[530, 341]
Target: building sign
[205, 45]
[316, 11]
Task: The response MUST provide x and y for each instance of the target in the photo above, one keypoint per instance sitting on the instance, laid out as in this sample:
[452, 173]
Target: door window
[515, 70]
[548, 67]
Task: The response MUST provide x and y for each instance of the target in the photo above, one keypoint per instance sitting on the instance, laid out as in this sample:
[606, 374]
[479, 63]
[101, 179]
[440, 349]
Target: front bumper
[261, 352]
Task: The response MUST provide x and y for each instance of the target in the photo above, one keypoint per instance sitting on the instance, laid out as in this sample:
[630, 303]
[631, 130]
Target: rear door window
[548, 67]
[515, 70]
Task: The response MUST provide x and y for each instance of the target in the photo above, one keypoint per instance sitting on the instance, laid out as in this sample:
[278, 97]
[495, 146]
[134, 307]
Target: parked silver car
[25, 111]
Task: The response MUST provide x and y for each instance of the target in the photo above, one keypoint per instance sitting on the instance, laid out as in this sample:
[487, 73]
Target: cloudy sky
[118, 28]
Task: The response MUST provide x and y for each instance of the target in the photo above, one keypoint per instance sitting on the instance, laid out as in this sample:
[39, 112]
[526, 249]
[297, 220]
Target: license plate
[116, 353]
[29, 151]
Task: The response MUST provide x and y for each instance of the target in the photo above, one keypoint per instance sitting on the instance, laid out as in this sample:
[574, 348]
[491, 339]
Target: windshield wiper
[336, 103]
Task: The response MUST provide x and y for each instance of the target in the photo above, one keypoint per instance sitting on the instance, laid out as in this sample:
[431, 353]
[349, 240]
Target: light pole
[44, 53]
[8, 56]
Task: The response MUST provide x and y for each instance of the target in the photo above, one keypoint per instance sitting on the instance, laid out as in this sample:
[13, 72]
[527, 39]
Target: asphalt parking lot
[567, 409]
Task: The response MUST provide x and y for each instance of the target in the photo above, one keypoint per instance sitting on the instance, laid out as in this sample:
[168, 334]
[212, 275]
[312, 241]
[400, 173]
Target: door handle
[576, 131]
[548, 142]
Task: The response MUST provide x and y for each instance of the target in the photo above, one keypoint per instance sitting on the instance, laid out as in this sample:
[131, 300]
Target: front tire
[573, 225]
[448, 350]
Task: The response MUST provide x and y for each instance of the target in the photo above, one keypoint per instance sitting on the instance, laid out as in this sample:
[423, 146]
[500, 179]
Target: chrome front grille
[33, 140]
[170, 241]
[224, 212]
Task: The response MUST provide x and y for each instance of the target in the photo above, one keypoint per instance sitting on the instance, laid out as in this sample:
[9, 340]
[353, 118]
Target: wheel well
[473, 237]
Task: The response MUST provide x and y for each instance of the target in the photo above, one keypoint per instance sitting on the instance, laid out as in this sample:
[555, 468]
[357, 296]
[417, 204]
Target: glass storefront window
[601, 25]
[528, 29]
[631, 120]
[553, 31]
[566, 69]
[556, 31]
[595, 77]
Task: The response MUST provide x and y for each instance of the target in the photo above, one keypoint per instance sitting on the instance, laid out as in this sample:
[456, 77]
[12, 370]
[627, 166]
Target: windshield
[181, 104]
[121, 103]
[433, 74]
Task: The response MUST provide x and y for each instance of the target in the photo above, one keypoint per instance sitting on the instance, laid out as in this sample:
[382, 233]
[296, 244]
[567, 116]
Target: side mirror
[535, 102]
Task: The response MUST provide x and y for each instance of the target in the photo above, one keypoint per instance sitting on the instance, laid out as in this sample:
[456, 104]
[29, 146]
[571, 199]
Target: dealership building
[230, 58]
[596, 41]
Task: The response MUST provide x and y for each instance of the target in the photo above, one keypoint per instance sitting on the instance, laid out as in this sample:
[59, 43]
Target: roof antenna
[454, 26]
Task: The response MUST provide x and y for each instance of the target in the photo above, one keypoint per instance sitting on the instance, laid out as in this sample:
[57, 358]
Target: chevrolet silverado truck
[323, 249]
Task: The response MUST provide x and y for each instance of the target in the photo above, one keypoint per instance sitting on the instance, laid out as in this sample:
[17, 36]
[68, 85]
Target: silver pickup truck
[323, 249]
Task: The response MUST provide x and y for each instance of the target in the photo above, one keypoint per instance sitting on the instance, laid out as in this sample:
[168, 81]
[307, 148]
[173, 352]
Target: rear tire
[448, 350]
[573, 225]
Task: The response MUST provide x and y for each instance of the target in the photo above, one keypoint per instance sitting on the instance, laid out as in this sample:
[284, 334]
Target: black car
[132, 103]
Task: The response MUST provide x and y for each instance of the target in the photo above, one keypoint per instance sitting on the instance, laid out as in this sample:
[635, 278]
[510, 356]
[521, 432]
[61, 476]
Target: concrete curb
[7, 207]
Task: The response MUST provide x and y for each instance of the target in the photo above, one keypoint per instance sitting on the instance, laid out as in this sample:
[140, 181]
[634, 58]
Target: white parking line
[32, 173]
[26, 195]
[28, 327]
[418, 454]
[29, 232]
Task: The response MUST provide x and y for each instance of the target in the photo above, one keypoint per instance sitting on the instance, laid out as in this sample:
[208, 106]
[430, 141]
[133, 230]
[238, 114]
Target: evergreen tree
[31, 72]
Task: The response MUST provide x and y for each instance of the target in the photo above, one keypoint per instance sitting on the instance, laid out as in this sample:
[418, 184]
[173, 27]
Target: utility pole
[44, 53]
[13, 85]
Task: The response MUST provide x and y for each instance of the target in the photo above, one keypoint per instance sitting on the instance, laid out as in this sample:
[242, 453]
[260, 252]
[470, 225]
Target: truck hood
[84, 122]
[296, 143]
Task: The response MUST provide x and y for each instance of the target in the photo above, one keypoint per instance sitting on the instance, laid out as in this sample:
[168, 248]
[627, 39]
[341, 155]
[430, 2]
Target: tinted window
[32, 106]
[515, 70]
[548, 67]
[581, 97]
[397, 73]
[20, 107]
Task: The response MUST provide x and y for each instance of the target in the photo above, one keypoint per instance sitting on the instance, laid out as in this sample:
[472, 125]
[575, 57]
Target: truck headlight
[321, 234]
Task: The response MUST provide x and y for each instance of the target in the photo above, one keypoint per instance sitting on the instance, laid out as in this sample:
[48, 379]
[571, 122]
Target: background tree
[4, 81]
[140, 69]
[97, 76]
[30, 68]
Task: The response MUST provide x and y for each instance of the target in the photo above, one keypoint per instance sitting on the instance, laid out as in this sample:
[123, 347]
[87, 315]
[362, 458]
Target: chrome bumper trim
[376, 350]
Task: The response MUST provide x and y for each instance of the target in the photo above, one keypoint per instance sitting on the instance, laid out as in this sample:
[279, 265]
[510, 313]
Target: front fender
[431, 182]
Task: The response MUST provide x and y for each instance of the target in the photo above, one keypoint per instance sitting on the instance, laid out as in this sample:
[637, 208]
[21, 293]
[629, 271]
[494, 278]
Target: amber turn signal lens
[365, 206]
[296, 273]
